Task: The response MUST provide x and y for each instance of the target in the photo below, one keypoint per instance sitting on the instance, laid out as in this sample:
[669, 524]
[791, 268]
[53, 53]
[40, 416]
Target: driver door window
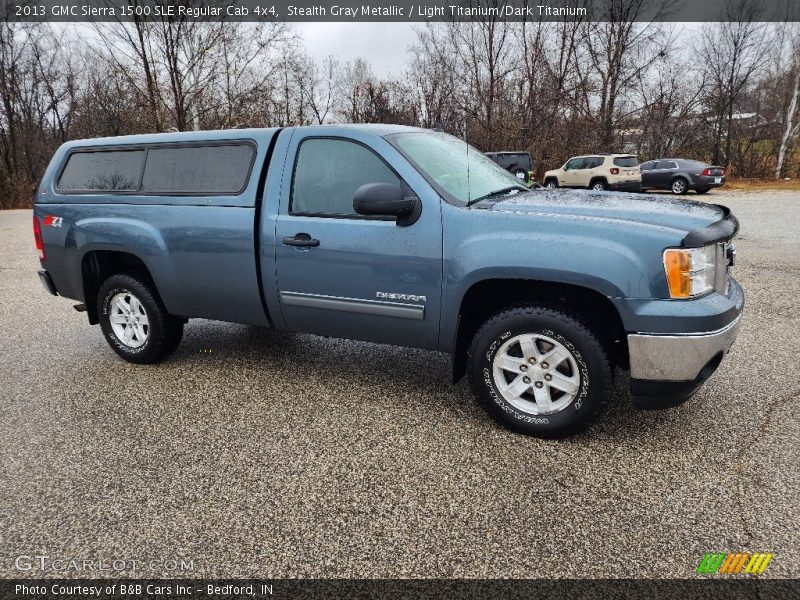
[572, 171]
[327, 174]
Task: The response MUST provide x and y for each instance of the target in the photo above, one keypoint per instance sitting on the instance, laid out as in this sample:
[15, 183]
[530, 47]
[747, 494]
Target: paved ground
[258, 454]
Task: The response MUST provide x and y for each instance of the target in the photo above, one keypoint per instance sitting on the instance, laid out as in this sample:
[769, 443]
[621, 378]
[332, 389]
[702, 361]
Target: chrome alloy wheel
[128, 320]
[536, 374]
[678, 186]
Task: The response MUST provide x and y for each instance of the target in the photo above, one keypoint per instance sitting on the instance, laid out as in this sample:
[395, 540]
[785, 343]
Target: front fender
[607, 258]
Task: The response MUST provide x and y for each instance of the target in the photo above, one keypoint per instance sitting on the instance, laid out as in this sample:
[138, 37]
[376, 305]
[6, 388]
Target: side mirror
[387, 200]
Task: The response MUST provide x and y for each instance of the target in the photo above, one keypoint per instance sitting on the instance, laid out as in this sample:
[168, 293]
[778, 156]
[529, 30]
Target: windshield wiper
[499, 192]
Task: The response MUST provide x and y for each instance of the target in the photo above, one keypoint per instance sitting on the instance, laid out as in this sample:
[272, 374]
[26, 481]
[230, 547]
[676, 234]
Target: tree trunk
[787, 132]
[148, 75]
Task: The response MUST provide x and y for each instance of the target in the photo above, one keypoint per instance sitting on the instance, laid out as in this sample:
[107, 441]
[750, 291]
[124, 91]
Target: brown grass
[757, 185]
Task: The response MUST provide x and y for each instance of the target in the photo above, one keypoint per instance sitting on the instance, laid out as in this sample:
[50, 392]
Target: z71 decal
[51, 221]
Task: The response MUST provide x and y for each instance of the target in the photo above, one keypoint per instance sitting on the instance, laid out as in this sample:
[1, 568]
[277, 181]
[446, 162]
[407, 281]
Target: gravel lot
[254, 453]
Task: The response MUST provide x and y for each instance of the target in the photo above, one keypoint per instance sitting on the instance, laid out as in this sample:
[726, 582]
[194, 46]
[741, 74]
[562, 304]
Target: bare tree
[733, 51]
[668, 106]
[321, 91]
[788, 39]
[433, 74]
[37, 95]
[549, 82]
[619, 50]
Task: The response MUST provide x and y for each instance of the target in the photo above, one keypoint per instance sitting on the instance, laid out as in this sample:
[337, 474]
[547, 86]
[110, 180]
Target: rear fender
[129, 236]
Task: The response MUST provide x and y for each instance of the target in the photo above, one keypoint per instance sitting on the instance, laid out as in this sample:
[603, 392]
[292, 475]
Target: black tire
[702, 190]
[551, 183]
[598, 185]
[590, 357]
[163, 332]
[679, 186]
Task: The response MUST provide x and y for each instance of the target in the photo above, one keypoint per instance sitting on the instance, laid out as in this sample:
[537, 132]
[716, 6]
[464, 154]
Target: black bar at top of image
[723, 588]
[400, 10]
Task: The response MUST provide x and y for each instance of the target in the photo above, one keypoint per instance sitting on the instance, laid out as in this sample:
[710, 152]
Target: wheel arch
[486, 297]
[681, 176]
[99, 265]
[597, 178]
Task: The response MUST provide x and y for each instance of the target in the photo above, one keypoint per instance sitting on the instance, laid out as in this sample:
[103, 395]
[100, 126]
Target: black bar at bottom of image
[571, 589]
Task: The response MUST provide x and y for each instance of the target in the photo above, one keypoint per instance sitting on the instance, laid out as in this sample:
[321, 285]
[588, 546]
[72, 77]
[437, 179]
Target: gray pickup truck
[401, 236]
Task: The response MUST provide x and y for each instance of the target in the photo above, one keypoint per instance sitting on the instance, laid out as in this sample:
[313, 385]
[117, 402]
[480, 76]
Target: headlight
[690, 271]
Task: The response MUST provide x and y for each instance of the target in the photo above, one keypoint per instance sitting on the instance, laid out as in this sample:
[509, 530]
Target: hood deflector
[719, 231]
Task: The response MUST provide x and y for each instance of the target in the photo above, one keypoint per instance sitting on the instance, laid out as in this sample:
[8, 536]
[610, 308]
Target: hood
[659, 211]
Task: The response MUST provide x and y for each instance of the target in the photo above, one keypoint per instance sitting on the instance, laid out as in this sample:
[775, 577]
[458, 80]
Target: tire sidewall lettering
[109, 331]
[488, 379]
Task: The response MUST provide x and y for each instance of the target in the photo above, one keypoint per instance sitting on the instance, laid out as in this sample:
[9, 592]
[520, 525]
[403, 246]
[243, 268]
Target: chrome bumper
[677, 357]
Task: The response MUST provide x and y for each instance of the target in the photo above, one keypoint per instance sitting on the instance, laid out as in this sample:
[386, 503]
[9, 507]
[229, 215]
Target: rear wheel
[679, 186]
[598, 185]
[134, 321]
[551, 183]
[539, 371]
[702, 190]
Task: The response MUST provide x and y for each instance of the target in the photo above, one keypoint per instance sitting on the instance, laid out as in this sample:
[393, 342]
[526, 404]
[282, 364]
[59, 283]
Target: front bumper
[668, 368]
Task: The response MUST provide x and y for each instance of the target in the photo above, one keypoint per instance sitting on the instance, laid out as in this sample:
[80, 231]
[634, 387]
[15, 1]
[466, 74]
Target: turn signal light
[679, 273]
[614, 171]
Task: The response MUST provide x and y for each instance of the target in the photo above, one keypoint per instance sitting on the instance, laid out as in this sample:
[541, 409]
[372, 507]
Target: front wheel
[539, 371]
[134, 321]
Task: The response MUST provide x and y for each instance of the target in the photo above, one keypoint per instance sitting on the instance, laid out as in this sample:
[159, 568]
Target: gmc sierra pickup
[400, 236]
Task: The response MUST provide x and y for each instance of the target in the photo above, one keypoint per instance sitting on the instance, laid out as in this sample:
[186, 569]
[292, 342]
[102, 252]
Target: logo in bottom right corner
[734, 563]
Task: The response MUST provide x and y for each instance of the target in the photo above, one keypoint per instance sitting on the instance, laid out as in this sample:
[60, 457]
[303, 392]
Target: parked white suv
[597, 172]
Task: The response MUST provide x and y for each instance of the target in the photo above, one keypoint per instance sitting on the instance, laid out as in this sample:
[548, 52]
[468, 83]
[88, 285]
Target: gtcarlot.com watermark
[44, 563]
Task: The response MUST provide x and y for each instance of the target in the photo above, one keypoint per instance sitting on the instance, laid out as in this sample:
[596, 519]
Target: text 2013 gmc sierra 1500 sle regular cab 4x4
[400, 236]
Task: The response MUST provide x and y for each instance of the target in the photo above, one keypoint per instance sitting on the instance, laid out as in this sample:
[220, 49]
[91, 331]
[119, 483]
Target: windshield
[454, 166]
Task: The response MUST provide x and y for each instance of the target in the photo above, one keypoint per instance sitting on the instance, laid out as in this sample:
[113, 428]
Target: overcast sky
[383, 45]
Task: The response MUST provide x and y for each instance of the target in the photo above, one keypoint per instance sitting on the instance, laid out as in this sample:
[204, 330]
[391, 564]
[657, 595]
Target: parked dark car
[519, 164]
[680, 175]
